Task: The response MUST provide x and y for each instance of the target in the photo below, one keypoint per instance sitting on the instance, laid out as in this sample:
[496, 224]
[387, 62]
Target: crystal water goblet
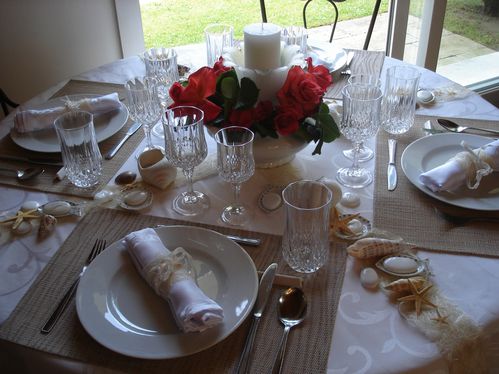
[185, 147]
[144, 105]
[365, 153]
[360, 121]
[235, 164]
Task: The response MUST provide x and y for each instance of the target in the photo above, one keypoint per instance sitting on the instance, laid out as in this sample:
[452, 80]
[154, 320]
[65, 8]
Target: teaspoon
[292, 311]
[23, 174]
[454, 127]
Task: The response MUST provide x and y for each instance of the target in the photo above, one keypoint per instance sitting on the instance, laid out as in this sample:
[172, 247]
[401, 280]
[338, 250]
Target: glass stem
[356, 150]
[147, 130]
[237, 191]
[188, 175]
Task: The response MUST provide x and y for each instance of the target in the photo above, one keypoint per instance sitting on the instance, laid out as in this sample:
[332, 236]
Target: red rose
[300, 89]
[242, 117]
[287, 120]
[321, 74]
[263, 110]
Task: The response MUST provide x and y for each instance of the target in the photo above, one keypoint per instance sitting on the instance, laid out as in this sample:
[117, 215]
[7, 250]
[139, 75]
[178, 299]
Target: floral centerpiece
[296, 109]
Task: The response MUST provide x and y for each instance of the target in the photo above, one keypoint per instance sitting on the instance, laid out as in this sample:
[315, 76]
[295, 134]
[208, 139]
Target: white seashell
[373, 247]
[30, 205]
[271, 200]
[350, 200]
[403, 265]
[356, 226]
[401, 285]
[47, 225]
[369, 278]
[135, 198]
[57, 208]
[155, 168]
[23, 228]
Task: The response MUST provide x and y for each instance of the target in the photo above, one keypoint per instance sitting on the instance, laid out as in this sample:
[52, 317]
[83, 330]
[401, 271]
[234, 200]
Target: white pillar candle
[262, 46]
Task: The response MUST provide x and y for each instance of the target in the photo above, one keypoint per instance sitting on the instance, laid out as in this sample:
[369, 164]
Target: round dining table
[369, 335]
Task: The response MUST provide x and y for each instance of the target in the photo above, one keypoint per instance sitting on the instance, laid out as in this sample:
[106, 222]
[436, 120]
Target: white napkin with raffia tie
[465, 168]
[169, 274]
[35, 120]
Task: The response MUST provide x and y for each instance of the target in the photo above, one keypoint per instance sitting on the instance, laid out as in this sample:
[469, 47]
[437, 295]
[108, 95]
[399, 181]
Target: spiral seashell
[374, 247]
[47, 225]
[402, 285]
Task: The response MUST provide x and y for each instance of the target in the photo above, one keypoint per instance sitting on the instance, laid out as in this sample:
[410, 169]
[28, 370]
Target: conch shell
[374, 247]
[402, 285]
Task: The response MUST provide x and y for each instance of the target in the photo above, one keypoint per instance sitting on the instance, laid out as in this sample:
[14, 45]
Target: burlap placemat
[410, 213]
[364, 62]
[308, 344]
[46, 182]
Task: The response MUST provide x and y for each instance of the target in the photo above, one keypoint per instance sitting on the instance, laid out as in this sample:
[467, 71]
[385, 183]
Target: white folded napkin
[169, 274]
[34, 120]
[465, 168]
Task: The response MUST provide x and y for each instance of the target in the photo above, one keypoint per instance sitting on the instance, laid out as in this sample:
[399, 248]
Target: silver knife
[261, 300]
[31, 160]
[129, 133]
[392, 170]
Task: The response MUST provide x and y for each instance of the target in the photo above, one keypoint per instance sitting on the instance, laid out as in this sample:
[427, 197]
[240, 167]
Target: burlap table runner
[308, 344]
[363, 62]
[45, 182]
[410, 213]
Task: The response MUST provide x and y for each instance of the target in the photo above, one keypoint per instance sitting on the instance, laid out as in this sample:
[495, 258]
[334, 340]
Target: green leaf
[329, 128]
[248, 94]
[229, 88]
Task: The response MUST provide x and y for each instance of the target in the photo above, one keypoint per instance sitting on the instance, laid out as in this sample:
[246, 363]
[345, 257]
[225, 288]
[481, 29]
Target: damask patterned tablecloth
[369, 334]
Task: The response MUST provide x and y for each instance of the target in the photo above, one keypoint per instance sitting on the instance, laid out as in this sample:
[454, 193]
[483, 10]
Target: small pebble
[400, 265]
[30, 205]
[126, 177]
[350, 200]
[23, 228]
[356, 226]
[369, 278]
[135, 198]
[57, 208]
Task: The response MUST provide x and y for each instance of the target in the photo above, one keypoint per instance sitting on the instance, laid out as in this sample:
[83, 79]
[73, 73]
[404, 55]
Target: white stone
[400, 265]
[57, 208]
[271, 200]
[356, 226]
[30, 205]
[23, 228]
[369, 278]
[350, 200]
[136, 198]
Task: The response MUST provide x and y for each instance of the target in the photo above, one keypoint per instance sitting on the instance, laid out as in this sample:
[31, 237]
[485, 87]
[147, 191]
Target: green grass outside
[176, 22]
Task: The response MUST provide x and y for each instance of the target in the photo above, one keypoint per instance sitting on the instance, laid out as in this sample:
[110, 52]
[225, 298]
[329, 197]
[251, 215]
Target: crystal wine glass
[185, 147]
[143, 105]
[365, 153]
[235, 165]
[361, 121]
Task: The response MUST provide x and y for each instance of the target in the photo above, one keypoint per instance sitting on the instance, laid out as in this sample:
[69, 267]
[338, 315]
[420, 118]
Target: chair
[332, 2]
[371, 24]
[5, 102]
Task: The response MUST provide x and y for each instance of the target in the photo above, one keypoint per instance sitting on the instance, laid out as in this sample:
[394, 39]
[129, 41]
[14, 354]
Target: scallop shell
[47, 225]
[374, 247]
[402, 285]
[420, 266]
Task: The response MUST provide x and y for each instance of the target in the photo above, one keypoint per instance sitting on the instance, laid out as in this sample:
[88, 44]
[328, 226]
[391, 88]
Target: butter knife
[392, 170]
[128, 134]
[261, 300]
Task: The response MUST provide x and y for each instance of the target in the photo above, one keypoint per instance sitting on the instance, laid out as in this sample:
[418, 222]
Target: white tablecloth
[369, 334]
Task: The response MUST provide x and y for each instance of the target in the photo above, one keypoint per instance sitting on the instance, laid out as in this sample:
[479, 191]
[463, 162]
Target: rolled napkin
[466, 168]
[34, 120]
[169, 274]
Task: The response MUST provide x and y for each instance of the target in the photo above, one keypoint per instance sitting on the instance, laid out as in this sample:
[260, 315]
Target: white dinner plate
[431, 151]
[106, 125]
[119, 310]
[326, 54]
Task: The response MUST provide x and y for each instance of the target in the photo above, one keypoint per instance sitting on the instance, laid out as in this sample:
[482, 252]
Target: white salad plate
[431, 151]
[326, 54]
[106, 125]
[122, 312]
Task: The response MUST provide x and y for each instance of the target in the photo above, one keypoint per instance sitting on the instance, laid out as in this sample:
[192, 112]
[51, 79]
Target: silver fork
[346, 70]
[98, 247]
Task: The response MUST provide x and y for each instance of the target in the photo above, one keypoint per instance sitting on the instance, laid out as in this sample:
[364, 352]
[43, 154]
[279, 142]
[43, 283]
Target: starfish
[418, 296]
[20, 216]
[440, 319]
[340, 225]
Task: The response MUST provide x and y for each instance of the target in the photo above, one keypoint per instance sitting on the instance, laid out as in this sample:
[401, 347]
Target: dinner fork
[347, 70]
[98, 247]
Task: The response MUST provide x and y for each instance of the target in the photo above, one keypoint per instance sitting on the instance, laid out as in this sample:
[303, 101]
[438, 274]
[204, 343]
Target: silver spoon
[23, 174]
[292, 311]
[454, 127]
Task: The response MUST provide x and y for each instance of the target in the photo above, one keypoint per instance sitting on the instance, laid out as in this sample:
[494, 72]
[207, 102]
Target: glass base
[365, 154]
[188, 204]
[236, 215]
[354, 178]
